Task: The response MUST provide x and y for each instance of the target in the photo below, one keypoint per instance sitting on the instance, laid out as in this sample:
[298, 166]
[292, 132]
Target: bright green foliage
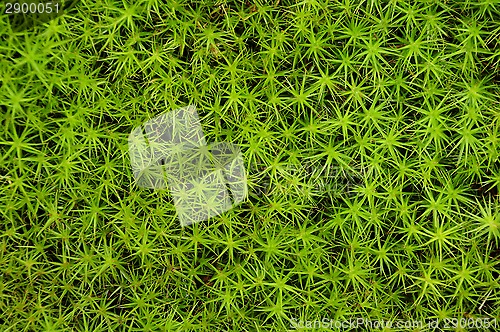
[370, 131]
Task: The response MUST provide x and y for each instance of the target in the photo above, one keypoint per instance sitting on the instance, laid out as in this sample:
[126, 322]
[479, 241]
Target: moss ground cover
[370, 133]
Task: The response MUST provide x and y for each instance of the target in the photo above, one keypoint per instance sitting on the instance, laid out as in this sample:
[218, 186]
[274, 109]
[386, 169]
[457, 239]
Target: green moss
[370, 135]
